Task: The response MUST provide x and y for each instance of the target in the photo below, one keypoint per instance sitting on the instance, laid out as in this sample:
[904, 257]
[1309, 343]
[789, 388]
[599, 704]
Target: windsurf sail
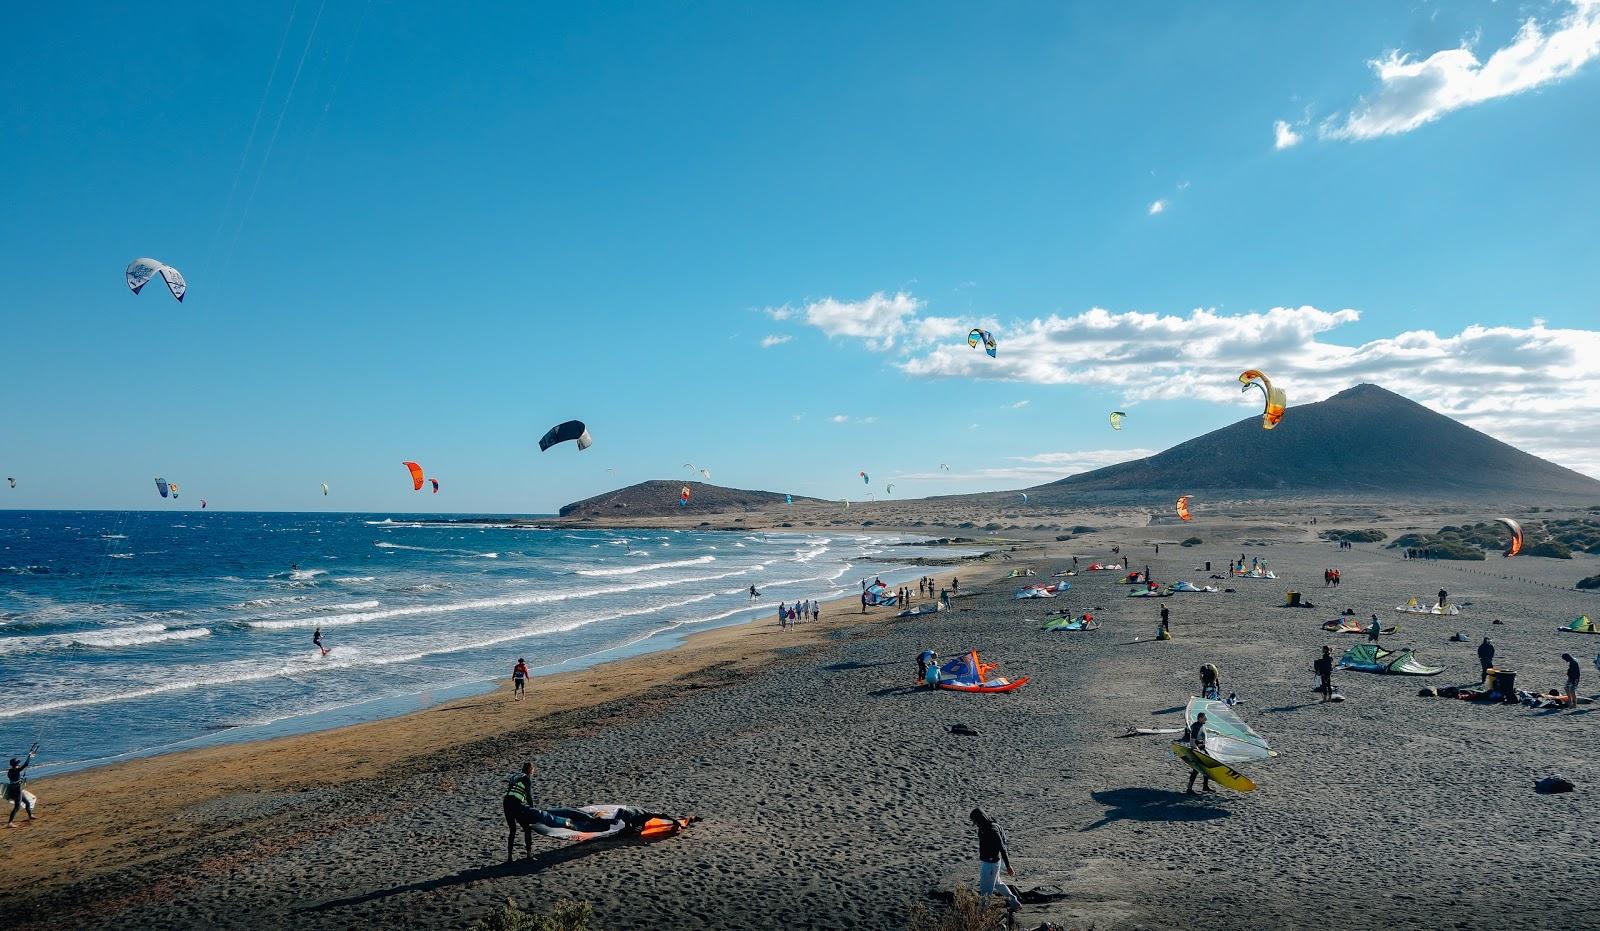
[1228, 738]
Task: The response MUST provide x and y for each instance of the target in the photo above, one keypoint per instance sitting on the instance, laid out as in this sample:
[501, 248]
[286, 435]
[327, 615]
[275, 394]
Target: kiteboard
[987, 686]
[1220, 773]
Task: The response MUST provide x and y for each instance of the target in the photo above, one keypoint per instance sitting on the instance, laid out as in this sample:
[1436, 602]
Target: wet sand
[834, 796]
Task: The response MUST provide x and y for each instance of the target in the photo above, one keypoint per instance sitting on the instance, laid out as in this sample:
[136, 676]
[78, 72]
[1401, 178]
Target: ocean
[124, 633]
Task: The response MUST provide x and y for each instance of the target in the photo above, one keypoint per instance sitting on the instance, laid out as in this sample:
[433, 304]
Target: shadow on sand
[852, 665]
[1145, 804]
[524, 867]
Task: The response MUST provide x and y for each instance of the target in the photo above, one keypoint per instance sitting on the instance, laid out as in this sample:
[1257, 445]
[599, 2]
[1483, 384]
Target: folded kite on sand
[1412, 606]
[970, 674]
[1369, 657]
[1345, 625]
[1087, 622]
[1191, 587]
[591, 822]
[1580, 625]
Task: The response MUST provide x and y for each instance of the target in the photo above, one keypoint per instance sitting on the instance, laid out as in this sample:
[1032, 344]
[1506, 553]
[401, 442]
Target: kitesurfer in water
[1196, 739]
[518, 806]
[753, 593]
[317, 639]
[1323, 667]
[519, 679]
[15, 777]
[992, 854]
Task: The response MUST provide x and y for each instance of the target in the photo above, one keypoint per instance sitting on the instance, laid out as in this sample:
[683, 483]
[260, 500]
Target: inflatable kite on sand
[592, 822]
[968, 673]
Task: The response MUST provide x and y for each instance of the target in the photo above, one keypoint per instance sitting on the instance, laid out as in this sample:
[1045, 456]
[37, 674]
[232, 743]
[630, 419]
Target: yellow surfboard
[1220, 773]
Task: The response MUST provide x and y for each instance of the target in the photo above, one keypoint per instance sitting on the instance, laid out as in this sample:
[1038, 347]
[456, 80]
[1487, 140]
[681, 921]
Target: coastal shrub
[1591, 582]
[966, 912]
[1192, 541]
[1084, 528]
[1550, 549]
[565, 915]
[1449, 549]
[1063, 537]
[992, 526]
[1369, 535]
[966, 525]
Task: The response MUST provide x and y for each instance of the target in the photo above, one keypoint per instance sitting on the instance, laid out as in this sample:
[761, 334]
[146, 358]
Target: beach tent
[1580, 625]
[969, 673]
[1369, 657]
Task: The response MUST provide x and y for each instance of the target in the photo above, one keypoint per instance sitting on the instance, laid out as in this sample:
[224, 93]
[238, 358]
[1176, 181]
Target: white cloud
[767, 342]
[779, 313]
[877, 320]
[869, 420]
[1019, 405]
[1536, 387]
[1414, 92]
[1158, 206]
[1037, 469]
[841, 418]
[1284, 135]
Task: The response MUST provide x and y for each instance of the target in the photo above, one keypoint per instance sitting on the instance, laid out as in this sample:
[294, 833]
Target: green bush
[565, 915]
[1550, 549]
[1082, 528]
[1192, 541]
[1592, 581]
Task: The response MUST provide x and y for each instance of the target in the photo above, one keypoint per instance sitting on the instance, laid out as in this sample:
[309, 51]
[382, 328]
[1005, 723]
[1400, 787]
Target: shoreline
[85, 810]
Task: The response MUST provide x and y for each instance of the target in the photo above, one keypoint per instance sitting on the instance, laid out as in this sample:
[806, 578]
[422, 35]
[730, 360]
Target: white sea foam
[630, 570]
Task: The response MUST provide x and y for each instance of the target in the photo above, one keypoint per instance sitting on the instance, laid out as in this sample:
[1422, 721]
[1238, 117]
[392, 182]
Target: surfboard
[1220, 773]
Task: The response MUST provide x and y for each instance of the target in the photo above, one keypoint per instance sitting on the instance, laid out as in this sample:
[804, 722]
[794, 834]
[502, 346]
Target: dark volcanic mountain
[655, 498]
[1362, 441]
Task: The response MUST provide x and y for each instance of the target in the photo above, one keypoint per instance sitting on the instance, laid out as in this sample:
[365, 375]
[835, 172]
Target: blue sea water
[127, 632]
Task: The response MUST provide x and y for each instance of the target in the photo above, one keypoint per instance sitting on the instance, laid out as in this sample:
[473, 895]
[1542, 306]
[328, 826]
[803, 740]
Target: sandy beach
[834, 796]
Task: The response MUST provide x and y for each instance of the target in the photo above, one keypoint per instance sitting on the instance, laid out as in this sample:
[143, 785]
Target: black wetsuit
[1324, 670]
[1485, 658]
[1573, 669]
[14, 780]
[1197, 741]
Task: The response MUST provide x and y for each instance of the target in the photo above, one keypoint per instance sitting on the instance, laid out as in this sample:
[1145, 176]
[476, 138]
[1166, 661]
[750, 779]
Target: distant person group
[792, 614]
[1330, 577]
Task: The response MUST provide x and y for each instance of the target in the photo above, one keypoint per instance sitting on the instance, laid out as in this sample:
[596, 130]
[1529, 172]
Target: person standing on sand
[1165, 631]
[1443, 595]
[1374, 629]
[19, 797]
[1324, 670]
[1195, 737]
[517, 804]
[863, 601]
[1573, 669]
[519, 679]
[816, 610]
[992, 853]
[1485, 658]
[955, 585]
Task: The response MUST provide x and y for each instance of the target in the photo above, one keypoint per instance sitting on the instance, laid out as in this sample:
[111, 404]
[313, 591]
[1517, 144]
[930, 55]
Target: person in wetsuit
[14, 779]
[1196, 739]
[1573, 671]
[317, 639]
[1323, 667]
[992, 854]
[518, 806]
[1485, 657]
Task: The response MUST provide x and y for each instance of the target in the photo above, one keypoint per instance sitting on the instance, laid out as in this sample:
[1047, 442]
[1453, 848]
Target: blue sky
[429, 233]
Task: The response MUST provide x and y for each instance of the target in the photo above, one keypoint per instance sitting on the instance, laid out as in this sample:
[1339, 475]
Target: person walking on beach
[517, 803]
[863, 601]
[1573, 669]
[1195, 737]
[1324, 670]
[992, 854]
[316, 638]
[519, 679]
[1485, 658]
[19, 797]
[1442, 596]
[783, 614]
[816, 610]
[1165, 632]
[955, 585]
